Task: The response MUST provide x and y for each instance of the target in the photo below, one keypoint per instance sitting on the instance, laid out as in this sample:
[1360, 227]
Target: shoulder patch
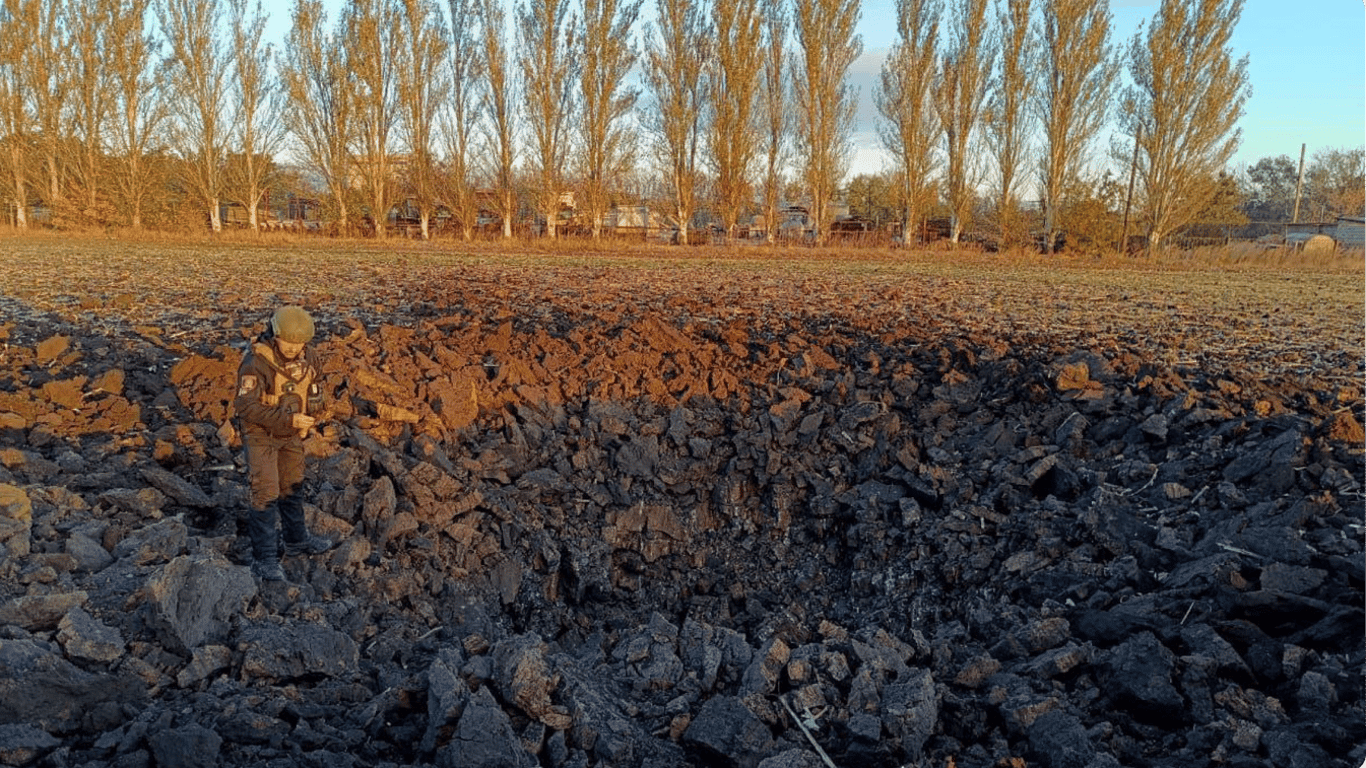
[247, 384]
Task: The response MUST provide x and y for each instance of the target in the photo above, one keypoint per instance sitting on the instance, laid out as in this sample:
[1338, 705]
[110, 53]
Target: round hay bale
[1319, 245]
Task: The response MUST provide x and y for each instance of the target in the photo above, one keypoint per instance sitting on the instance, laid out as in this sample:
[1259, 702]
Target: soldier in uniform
[278, 401]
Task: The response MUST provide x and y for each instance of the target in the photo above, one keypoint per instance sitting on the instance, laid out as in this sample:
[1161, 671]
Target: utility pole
[1299, 185]
[1129, 197]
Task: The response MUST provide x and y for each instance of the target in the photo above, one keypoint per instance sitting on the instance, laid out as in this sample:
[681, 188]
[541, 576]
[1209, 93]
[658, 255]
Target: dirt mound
[590, 519]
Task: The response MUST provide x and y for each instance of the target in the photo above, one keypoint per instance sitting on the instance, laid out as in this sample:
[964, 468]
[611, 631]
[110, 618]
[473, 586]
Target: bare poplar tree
[825, 101]
[91, 100]
[1078, 75]
[608, 53]
[1006, 121]
[1183, 108]
[373, 31]
[197, 70]
[18, 28]
[964, 69]
[423, 84]
[675, 63]
[319, 109]
[734, 88]
[258, 127]
[140, 108]
[546, 31]
[48, 70]
[910, 129]
[457, 114]
[496, 105]
[773, 109]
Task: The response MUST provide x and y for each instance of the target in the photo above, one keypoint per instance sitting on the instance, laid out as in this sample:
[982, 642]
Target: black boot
[297, 538]
[312, 544]
[268, 570]
[262, 524]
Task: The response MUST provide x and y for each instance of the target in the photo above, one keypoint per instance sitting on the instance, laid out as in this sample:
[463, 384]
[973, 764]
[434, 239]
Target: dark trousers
[275, 467]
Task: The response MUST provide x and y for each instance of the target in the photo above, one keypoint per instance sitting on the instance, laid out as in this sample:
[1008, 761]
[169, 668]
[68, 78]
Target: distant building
[1325, 236]
[1350, 232]
[794, 222]
[277, 210]
[636, 221]
[1299, 233]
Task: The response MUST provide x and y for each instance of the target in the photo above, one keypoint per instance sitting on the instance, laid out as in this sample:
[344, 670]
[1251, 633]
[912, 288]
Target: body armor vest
[293, 383]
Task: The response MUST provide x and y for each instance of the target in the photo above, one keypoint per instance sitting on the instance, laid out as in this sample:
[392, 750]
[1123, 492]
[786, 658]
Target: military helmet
[292, 324]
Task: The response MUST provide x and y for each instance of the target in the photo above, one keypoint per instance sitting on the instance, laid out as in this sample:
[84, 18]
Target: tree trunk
[54, 182]
[380, 215]
[134, 176]
[1049, 221]
[20, 210]
[91, 197]
[1155, 240]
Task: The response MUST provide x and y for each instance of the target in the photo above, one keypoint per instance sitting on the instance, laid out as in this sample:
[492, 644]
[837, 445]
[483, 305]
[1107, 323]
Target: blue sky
[1307, 65]
[1307, 60]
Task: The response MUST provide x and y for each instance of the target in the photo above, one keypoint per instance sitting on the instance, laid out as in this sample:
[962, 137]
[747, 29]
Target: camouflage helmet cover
[292, 324]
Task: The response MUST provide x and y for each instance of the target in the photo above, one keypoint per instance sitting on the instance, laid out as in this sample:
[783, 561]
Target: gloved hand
[293, 405]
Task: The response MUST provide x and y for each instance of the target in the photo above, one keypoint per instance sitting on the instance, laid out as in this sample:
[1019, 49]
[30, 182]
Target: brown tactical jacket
[270, 391]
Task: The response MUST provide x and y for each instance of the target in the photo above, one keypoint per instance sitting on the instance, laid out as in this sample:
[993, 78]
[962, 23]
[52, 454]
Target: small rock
[85, 637]
[727, 730]
[1060, 739]
[90, 556]
[207, 660]
[1345, 428]
[295, 650]
[910, 711]
[40, 612]
[193, 599]
[1156, 427]
[40, 687]
[1139, 678]
[51, 348]
[1247, 736]
[177, 488]
[192, 746]
[22, 744]
[975, 673]
[483, 738]
[16, 520]
[1292, 579]
[1073, 376]
[156, 543]
[146, 503]
[794, 758]
[1316, 693]
[762, 674]
[525, 679]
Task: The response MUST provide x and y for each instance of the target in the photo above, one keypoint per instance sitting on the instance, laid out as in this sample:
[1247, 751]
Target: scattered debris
[638, 525]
